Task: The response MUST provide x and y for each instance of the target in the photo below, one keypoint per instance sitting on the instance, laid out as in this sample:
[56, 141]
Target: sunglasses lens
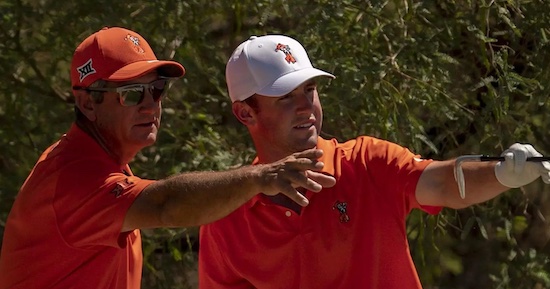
[136, 94]
[158, 88]
[131, 97]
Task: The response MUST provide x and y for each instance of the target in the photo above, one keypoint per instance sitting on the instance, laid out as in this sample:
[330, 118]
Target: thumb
[508, 162]
[519, 158]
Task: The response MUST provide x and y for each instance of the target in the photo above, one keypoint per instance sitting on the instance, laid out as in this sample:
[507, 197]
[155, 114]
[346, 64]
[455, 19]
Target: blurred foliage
[442, 77]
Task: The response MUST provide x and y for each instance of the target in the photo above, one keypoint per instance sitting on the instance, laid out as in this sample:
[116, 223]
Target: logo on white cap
[85, 70]
[286, 50]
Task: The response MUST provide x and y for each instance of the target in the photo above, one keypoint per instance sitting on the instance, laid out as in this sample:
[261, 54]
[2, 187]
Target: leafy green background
[442, 77]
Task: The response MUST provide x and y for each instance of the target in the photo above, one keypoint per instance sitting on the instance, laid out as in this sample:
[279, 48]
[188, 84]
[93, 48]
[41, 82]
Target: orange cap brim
[137, 69]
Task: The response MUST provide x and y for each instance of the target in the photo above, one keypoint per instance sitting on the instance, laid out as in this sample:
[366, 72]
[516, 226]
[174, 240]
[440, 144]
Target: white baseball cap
[271, 65]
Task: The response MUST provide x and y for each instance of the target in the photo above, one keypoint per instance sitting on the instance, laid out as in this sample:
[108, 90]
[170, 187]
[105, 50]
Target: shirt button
[288, 213]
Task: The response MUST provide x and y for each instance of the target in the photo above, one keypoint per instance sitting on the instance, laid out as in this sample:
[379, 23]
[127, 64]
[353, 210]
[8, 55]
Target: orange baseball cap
[117, 54]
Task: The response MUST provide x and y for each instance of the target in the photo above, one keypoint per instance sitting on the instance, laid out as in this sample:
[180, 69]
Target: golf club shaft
[530, 159]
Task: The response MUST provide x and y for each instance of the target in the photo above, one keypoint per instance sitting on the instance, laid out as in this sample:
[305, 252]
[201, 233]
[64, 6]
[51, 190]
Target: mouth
[305, 125]
[147, 124]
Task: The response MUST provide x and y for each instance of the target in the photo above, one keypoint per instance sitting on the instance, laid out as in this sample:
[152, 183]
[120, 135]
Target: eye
[286, 96]
[311, 87]
[131, 97]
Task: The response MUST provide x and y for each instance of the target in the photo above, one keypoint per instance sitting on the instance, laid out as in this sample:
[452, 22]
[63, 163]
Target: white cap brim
[288, 82]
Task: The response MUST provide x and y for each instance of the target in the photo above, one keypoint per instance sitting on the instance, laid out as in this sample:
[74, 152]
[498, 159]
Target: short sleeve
[398, 169]
[90, 204]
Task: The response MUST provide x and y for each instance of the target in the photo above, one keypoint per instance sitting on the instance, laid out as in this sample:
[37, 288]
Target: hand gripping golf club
[459, 174]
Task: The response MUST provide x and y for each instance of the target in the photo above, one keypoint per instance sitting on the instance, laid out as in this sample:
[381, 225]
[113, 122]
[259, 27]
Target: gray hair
[97, 97]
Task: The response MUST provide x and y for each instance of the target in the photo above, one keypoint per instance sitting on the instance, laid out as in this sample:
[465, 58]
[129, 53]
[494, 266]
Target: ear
[84, 102]
[244, 113]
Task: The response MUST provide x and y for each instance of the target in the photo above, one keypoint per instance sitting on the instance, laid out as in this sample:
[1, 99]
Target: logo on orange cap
[286, 50]
[85, 70]
[135, 41]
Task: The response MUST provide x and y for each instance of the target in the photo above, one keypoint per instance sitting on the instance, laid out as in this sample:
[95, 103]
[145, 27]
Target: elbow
[181, 216]
[167, 218]
[442, 197]
[171, 217]
[458, 203]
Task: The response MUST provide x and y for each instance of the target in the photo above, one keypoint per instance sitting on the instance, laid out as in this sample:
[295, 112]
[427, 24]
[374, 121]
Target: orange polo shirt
[63, 230]
[352, 235]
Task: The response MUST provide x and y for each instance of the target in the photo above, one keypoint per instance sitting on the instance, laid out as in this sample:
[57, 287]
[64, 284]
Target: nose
[305, 103]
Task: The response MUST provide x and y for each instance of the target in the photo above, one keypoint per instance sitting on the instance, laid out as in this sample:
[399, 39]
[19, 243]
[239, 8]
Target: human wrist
[254, 179]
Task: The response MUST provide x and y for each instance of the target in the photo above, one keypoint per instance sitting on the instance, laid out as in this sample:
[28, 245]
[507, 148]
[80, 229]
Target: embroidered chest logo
[286, 50]
[342, 208]
[120, 187]
[85, 70]
[134, 41]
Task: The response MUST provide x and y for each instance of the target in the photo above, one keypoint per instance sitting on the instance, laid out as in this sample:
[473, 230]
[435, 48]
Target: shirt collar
[85, 143]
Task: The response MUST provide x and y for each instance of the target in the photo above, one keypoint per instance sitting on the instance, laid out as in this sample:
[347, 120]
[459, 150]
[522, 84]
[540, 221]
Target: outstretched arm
[437, 185]
[197, 198]
[484, 180]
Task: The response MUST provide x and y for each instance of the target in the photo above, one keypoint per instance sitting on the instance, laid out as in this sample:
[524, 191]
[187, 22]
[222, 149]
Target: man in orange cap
[76, 220]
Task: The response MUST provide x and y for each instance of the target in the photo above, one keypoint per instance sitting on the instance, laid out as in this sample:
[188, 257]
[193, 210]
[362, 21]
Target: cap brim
[288, 82]
[137, 69]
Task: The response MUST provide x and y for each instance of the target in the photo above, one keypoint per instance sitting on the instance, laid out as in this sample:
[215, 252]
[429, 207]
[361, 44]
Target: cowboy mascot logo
[286, 50]
[342, 208]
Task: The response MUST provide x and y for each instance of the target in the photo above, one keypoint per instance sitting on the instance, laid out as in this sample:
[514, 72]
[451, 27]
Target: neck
[270, 155]
[92, 130]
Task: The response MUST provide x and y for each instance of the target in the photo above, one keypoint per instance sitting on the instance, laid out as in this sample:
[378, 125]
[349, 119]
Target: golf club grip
[529, 159]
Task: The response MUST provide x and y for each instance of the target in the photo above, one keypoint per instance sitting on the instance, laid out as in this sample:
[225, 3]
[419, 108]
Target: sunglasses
[134, 94]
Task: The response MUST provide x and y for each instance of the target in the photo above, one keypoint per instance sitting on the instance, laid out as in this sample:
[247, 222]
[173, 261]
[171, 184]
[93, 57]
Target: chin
[150, 141]
[308, 144]
[313, 140]
[147, 141]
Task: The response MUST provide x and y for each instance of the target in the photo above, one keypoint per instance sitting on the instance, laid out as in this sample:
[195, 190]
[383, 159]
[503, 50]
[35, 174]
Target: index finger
[313, 153]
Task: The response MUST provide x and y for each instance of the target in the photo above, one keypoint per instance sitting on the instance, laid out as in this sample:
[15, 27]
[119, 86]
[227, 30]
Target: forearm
[438, 187]
[483, 180]
[198, 198]
[480, 182]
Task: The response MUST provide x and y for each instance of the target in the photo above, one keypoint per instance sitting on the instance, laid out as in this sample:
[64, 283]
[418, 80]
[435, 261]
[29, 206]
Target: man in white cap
[76, 220]
[352, 235]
